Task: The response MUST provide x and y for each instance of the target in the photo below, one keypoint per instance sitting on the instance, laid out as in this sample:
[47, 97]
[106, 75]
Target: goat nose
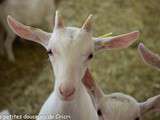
[66, 92]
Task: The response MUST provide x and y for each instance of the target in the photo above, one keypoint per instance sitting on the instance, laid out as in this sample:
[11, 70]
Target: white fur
[80, 108]
[71, 47]
[118, 106]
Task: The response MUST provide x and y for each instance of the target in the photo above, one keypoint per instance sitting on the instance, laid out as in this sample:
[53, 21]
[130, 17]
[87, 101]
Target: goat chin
[75, 109]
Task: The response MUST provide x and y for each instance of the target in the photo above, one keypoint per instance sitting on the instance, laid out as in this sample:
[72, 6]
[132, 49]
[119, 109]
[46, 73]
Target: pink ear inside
[123, 41]
[92, 86]
[20, 29]
[149, 57]
[88, 80]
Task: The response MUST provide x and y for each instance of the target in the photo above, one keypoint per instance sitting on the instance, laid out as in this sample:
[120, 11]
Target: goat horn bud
[87, 24]
[58, 21]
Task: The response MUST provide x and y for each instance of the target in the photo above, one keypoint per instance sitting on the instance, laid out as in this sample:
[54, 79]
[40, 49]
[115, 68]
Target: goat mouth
[69, 98]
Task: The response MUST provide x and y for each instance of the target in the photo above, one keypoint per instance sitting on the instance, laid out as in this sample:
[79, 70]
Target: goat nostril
[66, 92]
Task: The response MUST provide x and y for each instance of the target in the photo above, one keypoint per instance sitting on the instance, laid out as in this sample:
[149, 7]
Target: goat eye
[90, 56]
[99, 112]
[49, 52]
[137, 118]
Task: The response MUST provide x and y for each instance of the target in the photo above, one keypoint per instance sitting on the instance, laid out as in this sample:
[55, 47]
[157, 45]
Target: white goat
[30, 12]
[70, 50]
[118, 106]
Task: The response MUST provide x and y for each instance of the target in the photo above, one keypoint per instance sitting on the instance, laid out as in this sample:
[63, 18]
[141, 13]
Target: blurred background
[26, 80]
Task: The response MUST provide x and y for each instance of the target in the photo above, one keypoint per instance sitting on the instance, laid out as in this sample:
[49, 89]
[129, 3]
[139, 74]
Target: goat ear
[117, 42]
[91, 85]
[28, 32]
[88, 80]
[149, 57]
[152, 104]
